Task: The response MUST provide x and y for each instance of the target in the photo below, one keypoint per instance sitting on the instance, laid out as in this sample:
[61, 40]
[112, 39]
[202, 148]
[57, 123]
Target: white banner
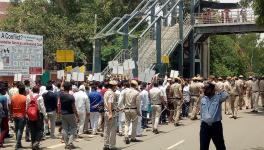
[21, 54]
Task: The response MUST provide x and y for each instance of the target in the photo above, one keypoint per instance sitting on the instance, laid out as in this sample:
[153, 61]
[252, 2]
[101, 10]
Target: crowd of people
[117, 106]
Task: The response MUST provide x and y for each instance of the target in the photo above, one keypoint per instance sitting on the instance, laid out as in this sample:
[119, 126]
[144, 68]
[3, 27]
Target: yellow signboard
[165, 59]
[65, 56]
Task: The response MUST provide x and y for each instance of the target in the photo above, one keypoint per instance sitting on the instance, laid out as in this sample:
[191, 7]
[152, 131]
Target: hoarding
[21, 54]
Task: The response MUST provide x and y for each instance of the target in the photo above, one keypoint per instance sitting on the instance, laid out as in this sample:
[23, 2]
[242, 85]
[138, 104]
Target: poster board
[21, 54]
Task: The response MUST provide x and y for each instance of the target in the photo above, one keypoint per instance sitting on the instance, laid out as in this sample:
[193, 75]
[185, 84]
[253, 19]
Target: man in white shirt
[82, 105]
[144, 98]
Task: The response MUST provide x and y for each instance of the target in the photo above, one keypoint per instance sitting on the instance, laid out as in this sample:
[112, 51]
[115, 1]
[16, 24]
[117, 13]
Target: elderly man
[82, 105]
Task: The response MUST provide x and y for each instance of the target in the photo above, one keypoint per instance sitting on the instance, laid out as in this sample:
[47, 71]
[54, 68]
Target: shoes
[28, 140]
[235, 117]
[70, 146]
[135, 140]
[176, 124]
[19, 147]
[9, 136]
[254, 111]
[156, 131]
[106, 148]
[127, 140]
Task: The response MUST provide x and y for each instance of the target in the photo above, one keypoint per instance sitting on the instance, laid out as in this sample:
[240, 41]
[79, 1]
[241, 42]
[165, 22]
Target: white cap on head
[82, 87]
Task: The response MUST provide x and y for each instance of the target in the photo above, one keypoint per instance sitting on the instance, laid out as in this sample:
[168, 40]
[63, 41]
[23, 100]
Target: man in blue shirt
[211, 116]
[96, 103]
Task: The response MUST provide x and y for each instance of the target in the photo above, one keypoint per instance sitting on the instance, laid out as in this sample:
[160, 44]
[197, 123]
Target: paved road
[245, 133]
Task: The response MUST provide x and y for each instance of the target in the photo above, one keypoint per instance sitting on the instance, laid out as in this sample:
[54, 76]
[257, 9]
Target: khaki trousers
[234, 104]
[228, 106]
[131, 116]
[255, 98]
[241, 101]
[262, 97]
[110, 131]
[156, 112]
[196, 102]
[177, 110]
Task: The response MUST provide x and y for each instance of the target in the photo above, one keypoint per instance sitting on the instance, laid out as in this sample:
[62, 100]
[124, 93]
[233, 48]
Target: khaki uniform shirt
[155, 95]
[110, 97]
[176, 90]
[240, 86]
[248, 85]
[219, 86]
[234, 90]
[255, 86]
[194, 89]
[227, 86]
[261, 85]
[132, 99]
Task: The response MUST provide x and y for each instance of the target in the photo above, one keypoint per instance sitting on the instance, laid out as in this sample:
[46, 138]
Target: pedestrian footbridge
[164, 28]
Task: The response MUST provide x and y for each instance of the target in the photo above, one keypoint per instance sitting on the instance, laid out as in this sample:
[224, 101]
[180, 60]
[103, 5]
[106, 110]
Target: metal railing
[225, 17]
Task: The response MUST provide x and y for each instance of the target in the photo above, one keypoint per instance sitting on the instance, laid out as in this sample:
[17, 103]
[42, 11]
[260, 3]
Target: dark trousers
[36, 130]
[185, 109]
[27, 137]
[144, 121]
[4, 129]
[164, 115]
[214, 132]
[19, 128]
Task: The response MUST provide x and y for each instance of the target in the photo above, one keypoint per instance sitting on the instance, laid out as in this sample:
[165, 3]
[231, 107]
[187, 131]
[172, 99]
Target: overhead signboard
[21, 54]
[65, 56]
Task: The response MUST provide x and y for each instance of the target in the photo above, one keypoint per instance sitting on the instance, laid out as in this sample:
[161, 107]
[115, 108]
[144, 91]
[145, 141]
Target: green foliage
[237, 54]
[258, 6]
[225, 60]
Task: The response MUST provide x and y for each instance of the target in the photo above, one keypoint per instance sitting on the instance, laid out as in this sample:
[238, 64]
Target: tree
[258, 6]
[225, 57]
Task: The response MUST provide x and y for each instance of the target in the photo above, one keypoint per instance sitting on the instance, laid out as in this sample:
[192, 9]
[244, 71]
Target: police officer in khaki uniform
[227, 88]
[157, 98]
[248, 87]
[110, 102]
[195, 91]
[176, 89]
[131, 101]
[261, 90]
[240, 88]
[255, 94]
[234, 98]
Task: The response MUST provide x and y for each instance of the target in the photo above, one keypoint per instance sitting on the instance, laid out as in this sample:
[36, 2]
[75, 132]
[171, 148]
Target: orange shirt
[18, 105]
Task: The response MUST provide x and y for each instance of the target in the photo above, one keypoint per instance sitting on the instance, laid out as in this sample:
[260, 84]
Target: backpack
[32, 110]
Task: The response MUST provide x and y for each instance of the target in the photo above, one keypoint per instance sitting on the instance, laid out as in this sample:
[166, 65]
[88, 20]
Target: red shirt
[18, 106]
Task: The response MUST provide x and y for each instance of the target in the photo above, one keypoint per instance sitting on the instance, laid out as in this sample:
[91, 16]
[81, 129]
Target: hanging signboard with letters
[21, 54]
